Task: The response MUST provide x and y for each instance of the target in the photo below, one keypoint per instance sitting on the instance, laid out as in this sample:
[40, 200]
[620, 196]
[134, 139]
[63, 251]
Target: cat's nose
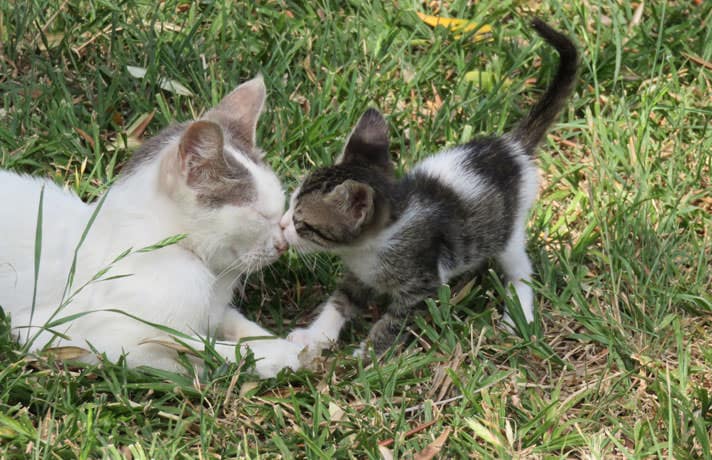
[281, 245]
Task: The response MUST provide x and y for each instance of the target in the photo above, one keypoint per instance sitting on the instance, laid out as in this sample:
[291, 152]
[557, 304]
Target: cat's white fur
[187, 286]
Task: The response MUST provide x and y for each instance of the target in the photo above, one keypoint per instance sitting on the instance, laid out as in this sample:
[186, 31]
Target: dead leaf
[434, 447]
[170, 344]
[462, 293]
[84, 135]
[637, 15]
[117, 118]
[247, 387]
[483, 432]
[139, 126]
[166, 26]
[457, 25]
[65, 353]
[335, 412]
[386, 453]
[698, 60]
[165, 83]
[485, 79]
[53, 40]
[417, 429]
[124, 142]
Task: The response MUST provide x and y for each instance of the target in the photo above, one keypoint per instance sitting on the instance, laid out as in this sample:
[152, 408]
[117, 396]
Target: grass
[620, 361]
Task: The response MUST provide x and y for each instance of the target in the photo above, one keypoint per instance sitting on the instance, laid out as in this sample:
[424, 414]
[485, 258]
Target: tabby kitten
[404, 238]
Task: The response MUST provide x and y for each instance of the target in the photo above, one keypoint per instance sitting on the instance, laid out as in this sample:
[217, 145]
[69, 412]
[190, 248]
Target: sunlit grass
[619, 363]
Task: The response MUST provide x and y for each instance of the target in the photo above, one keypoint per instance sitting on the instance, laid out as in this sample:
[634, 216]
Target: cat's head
[336, 207]
[229, 200]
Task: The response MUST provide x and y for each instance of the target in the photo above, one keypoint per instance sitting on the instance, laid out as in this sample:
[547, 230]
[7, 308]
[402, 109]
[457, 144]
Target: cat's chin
[233, 262]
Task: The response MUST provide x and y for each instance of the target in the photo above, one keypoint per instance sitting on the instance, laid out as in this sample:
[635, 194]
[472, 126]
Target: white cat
[204, 179]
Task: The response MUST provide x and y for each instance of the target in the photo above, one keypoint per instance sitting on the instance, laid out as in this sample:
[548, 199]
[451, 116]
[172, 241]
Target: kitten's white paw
[315, 340]
[507, 324]
[271, 356]
[360, 352]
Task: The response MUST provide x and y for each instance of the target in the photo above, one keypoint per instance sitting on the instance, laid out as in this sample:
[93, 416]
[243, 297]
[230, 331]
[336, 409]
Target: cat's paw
[313, 339]
[271, 356]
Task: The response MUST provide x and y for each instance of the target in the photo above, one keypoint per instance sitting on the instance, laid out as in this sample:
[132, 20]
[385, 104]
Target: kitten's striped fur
[452, 212]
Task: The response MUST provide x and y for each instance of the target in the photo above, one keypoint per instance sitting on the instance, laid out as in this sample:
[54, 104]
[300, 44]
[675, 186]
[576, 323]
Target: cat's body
[403, 238]
[203, 179]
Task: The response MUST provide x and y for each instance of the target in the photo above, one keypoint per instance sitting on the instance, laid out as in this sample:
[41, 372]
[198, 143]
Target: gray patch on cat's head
[205, 147]
[217, 177]
[150, 148]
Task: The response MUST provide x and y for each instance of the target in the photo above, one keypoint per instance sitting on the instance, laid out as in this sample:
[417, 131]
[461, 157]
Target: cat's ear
[200, 145]
[354, 199]
[368, 143]
[240, 110]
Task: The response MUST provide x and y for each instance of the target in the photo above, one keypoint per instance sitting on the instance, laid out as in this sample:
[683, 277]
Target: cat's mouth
[235, 263]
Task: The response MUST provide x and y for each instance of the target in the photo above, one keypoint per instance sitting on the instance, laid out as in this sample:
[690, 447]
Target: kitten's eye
[310, 232]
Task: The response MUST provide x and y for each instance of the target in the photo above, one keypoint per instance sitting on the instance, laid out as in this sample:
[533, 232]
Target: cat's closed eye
[307, 231]
[262, 216]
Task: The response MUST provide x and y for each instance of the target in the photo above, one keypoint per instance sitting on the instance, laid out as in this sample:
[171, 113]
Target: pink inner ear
[359, 202]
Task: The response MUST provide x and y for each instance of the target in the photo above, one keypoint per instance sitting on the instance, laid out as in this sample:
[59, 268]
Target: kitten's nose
[284, 222]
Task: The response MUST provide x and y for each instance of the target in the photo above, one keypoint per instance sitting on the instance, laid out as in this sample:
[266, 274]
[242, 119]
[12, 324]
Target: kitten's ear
[368, 143]
[200, 145]
[241, 109]
[354, 199]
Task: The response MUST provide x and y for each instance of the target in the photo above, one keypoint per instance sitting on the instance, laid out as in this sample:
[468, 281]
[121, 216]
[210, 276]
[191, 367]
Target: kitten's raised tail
[531, 130]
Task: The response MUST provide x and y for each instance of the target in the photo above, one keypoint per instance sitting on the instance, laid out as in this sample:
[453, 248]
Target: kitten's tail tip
[532, 129]
[563, 44]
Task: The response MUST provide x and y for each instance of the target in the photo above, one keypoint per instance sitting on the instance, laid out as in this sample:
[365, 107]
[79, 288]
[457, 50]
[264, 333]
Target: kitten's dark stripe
[493, 159]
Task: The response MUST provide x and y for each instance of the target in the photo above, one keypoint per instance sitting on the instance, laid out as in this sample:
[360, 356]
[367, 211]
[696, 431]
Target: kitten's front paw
[314, 340]
[361, 351]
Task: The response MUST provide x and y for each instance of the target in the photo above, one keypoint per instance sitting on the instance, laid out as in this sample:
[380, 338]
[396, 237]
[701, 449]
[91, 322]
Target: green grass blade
[37, 258]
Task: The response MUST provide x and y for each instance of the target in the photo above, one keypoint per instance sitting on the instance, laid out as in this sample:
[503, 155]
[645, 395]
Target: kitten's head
[229, 200]
[338, 206]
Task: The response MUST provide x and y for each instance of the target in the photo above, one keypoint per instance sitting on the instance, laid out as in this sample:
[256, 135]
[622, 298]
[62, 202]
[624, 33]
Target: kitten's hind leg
[518, 270]
[387, 331]
[391, 329]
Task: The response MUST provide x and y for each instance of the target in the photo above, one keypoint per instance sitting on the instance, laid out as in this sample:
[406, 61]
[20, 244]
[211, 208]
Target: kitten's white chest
[366, 261]
[364, 264]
